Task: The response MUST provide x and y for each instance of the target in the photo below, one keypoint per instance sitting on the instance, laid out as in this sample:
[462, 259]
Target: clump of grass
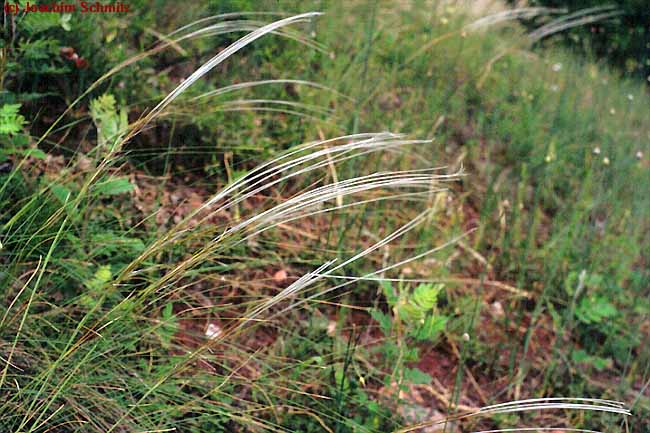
[116, 340]
[104, 370]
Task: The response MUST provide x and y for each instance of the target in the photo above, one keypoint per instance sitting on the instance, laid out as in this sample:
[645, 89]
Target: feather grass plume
[530, 405]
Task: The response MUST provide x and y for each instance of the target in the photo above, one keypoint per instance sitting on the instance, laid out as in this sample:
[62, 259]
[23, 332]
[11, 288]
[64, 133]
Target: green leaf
[168, 311]
[410, 313]
[425, 296]
[65, 22]
[39, 22]
[384, 320]
[571, 282]
[389, 292]
[601, 364]
[416, 376]
[35, 153]
[61, 192]
[111, 125]
[95, 285]
[581, 357]
[431, 328]
[101, 277]
[15, 144]
[10, 121]
[341, 380]
[595, 309]
[114, 186]
[411, 354]
[19, 141]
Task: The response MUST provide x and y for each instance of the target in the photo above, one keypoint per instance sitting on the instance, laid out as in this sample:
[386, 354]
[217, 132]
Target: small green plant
[111, 123]
[582, 357]
[595, 309]
[11, 122]
[413, 318]
[94, 286]
[415, 313]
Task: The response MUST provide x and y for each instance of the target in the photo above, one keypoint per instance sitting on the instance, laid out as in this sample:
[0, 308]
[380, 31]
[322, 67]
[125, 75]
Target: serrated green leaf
[19, 141]
[39, 22]
[11, 122]
[384, 320]
[389, 292]
[111, 125]
[102, 275]
[410, 313]
[425, 296]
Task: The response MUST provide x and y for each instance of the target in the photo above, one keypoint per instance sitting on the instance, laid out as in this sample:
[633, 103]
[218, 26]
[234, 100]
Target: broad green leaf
[61, 193]
[416, 376]
[35, 153]
[167, 312]
[431, 328]
[114, 186]
[341, 379]
[65, 22]
[581, 357]
[595, 309]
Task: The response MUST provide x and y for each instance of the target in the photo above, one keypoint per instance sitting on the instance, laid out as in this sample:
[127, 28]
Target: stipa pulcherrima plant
[102, 320]
[40, 408]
